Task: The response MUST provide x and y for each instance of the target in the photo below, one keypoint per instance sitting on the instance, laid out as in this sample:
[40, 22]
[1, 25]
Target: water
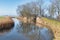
[23, 31]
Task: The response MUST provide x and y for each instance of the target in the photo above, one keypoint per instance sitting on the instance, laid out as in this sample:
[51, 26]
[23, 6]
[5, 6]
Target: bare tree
[58, 8]
[52, 10]
[29, 9]
[40, 3]
[56, 4]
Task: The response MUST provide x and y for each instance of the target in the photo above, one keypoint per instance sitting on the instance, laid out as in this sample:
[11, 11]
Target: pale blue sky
[8, 7]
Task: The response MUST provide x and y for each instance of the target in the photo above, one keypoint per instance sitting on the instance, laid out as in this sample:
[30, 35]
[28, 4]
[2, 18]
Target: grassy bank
[53, 24]
[6, 22]
[1, 17]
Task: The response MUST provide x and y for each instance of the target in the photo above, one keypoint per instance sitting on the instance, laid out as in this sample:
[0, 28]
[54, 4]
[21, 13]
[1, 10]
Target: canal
[25, 31]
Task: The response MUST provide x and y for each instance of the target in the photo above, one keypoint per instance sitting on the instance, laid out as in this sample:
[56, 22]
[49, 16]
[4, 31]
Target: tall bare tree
[57, 7]
[40, 3]
[29, 9]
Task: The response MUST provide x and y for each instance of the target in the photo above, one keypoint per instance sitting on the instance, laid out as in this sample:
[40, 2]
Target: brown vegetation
[6, 22]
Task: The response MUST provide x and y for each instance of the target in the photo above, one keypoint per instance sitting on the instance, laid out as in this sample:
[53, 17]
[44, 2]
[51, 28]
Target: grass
[1, 17]
[51, 21]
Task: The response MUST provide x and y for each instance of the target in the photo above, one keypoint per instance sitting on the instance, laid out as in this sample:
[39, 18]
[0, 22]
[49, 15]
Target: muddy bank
[6, 23]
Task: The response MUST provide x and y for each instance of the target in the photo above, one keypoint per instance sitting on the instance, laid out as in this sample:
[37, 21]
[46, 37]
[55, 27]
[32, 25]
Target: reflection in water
[35, 33]
[5, 31]
[25, 31]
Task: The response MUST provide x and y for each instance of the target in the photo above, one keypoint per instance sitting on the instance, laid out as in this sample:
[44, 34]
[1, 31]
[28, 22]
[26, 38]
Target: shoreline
[48, 23]
[6, 23]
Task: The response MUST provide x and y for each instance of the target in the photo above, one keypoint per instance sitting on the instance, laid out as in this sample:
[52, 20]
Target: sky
[8, 7]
